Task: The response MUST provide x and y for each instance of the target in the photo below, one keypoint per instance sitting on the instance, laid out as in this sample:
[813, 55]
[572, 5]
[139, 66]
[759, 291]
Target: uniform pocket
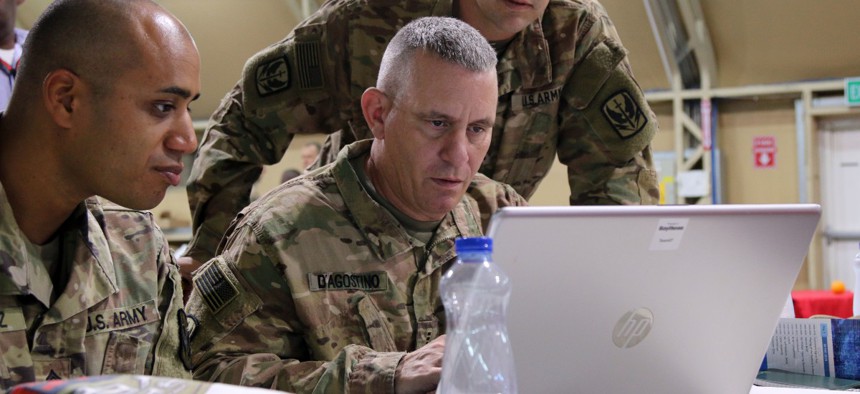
[353, 319]
[13, 346]
[125, 354]
[376, 327]
[47, 368]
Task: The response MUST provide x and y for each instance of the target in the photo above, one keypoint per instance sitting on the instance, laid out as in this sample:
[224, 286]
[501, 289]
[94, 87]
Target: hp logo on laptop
[632, 328]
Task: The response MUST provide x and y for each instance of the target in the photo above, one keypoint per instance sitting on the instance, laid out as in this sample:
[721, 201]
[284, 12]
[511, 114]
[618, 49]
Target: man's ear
[61, 91]
[375, 105]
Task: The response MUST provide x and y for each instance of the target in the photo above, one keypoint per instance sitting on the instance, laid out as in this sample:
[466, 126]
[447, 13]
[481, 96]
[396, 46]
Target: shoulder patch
[273, 76]
[308, 63]
[291, 72]
[215, 289]
[624, 114]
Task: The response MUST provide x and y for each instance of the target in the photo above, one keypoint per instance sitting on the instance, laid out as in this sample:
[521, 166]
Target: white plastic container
[478, 355]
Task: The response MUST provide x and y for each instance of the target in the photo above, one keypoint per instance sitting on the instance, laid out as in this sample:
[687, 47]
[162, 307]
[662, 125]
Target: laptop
[647, 299]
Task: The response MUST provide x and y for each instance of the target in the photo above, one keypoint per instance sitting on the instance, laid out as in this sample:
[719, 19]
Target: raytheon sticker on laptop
[668, 234]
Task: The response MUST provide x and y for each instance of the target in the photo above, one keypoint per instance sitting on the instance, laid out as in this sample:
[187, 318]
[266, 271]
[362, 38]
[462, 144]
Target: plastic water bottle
[478, 356]
[856, 284]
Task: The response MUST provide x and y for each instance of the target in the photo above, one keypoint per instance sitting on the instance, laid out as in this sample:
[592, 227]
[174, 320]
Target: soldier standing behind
[565, 89]
[100, 108]
[309, 154]
[329, 283]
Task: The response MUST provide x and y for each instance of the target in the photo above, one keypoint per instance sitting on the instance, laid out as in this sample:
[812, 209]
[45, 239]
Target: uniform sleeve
[228, 162]
[488, 196]
[249, 332]
[606, 125]
[169, 347]
[283, 92]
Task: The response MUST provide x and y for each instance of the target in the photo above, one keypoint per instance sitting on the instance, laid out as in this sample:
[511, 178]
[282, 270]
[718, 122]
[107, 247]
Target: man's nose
[456, 148]
[182, 139]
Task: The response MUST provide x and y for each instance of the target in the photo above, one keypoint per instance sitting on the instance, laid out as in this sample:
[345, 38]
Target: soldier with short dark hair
[565, 89]
[329, 283]
[100, 108]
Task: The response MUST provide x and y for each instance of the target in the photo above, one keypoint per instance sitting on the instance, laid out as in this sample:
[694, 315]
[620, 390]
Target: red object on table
[822, 302]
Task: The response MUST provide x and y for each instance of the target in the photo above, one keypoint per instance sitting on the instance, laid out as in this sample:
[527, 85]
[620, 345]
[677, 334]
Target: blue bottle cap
[474, 244]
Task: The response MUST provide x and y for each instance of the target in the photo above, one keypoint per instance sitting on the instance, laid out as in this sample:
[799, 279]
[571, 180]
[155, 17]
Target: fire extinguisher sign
[764, 151]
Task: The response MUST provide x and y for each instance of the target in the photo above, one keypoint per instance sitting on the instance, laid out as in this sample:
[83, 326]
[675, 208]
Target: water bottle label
[366, 281]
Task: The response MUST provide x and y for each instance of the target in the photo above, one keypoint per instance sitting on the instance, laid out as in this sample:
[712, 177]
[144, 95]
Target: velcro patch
[624, 114]
[121, 318]
[273, 76]
[366, 281]
[308, 62]
[215, 289]
[185, 333]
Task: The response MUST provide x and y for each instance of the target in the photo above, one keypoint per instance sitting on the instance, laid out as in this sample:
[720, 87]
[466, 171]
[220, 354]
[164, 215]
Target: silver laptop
[655, 299]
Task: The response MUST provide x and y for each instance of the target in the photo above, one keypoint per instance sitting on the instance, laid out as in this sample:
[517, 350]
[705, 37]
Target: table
[783, 390]
[822, 302]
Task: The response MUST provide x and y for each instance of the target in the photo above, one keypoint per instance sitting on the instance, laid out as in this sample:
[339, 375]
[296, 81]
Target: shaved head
[98, 40]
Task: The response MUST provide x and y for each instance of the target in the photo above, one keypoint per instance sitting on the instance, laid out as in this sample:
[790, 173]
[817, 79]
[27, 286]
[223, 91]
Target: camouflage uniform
[118, 312]
[565, 88]
[318, 288]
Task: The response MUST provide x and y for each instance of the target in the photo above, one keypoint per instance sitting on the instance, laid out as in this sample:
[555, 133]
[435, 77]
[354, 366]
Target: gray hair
[448, 38]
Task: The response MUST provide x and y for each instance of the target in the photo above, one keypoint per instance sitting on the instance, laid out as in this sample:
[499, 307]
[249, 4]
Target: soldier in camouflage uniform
[565, 89]
[88, 287]
[324, 284]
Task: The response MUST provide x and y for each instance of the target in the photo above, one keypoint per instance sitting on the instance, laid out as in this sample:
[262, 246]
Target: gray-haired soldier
[566, 90]
[329, 283]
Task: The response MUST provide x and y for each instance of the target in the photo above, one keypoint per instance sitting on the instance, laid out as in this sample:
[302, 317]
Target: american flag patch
[308, 59]
[215, 288]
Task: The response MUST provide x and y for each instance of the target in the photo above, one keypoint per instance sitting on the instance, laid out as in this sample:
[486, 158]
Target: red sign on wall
[764, 151]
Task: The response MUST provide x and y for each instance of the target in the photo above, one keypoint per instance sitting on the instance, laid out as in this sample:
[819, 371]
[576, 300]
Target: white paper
[802, 346]
[692, 183]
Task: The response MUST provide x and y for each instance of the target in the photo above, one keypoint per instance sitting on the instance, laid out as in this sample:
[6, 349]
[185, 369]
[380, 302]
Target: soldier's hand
[187, 265]
[419, 371]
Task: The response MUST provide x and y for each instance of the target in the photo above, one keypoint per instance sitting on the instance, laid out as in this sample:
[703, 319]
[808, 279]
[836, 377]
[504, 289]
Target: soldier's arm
[283, 91]
[230, 158]
[606, 125]
[249, 332]
[488, 196]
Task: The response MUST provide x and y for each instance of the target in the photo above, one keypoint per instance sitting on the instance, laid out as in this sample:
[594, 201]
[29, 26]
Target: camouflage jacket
[118, 312]
[565, 89]
[318, 288]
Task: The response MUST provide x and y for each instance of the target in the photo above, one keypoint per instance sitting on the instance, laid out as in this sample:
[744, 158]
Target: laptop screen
[647, 298]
